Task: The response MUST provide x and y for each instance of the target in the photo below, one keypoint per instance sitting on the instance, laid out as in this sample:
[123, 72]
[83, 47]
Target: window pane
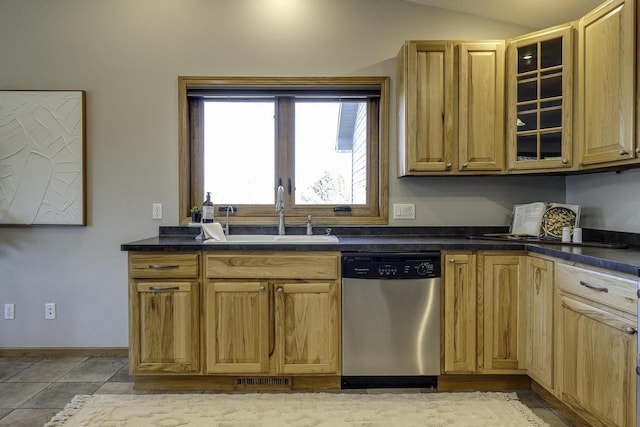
[239, 152]
[330, 152]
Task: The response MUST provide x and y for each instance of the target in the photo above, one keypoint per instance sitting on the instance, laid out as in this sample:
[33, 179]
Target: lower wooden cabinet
[164, 313]
[276, 327]
[540, 320]
[482, 302]
[597, 345]
[164, 326]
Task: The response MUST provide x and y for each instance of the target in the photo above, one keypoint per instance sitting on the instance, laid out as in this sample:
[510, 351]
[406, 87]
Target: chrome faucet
[280, 209]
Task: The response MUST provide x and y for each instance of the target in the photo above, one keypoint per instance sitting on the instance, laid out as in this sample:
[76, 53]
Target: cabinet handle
[637, 150]
[452, 260]
[280, 290]
[464, 165]
[623, 152]
[162, 267]
[596, 288]
[160, 288]
[262, 288]
[447, 166]
[565, 161]
[630, 330]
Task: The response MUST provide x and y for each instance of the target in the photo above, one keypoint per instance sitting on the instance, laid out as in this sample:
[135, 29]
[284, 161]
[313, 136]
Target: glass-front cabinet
[540, 100]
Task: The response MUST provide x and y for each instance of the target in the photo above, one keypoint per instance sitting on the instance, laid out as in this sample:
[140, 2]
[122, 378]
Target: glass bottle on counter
[207, 209]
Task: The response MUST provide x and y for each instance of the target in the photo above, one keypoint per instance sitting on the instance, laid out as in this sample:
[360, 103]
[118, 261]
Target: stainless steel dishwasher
[390, 319]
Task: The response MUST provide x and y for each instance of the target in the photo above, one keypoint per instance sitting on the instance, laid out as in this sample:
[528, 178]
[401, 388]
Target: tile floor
[33, 389]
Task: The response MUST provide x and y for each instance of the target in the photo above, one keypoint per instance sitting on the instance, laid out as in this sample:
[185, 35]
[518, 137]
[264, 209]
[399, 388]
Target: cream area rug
[298, 409]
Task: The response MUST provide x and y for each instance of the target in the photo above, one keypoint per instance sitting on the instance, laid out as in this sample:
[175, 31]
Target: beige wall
[127, 55]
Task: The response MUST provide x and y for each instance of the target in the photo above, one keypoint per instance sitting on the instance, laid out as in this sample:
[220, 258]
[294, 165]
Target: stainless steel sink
[275, 239]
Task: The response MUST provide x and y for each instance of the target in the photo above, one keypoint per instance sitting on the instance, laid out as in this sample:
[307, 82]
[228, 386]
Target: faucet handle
[328, 230]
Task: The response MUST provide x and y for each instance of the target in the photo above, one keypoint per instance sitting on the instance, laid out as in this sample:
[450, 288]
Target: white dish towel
[212, 231]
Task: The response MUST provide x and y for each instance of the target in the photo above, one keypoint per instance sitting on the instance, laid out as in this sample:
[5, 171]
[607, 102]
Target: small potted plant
[196, 214]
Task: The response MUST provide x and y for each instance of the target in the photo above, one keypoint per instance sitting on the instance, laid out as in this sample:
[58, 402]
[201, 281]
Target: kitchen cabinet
[500, 327]
[460, 301]
[606, 79]
[540, 321]
[450, 103]
[164, 313]
[482, 301]
[273, 314]
[540, 80]
[597, 345]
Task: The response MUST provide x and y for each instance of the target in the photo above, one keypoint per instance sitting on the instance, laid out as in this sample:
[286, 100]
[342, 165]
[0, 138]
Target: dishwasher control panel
[421, 265]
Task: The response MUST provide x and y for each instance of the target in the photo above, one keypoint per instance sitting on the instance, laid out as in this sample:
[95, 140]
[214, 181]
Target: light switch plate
[9, 311]
[404, 211]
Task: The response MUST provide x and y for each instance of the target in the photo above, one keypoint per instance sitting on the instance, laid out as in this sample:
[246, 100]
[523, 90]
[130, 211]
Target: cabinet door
[501, 319]
[598, 357]
[425, 107]
[236, 327]
[540, 321]
[540, 100]
[164, 333]
[481, 106]
[307, 328]
[459, 290]
[606, 77]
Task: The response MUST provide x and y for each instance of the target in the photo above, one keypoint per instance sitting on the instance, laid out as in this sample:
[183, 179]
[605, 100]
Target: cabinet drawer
[273, 266]
[616, 292]
[154, 265]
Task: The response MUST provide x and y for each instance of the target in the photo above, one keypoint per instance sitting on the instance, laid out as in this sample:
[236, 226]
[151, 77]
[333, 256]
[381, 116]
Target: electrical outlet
[50, 311]
[404, 211]
[157, 211]
[9, 311]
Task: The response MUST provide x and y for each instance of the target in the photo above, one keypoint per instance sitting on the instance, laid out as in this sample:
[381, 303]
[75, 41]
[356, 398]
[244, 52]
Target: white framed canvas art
[42, 157]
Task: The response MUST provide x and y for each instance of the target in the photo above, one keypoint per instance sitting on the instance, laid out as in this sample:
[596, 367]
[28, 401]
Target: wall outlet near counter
[9, 311]
[157, 211]
[50, 311]
[404, 211]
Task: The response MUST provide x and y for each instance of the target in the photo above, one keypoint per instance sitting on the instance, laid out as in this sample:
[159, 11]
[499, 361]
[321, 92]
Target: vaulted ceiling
[531, 13]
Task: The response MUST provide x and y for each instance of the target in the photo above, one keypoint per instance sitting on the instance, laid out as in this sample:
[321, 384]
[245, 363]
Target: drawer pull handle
[160, 288]
[280, 290]
[452, 260]
[162, 267]
[630, 330]
[262, 288]
[596, 288]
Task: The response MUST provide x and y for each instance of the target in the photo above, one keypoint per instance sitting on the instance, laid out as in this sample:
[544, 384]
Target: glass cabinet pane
[550, 118]
[551, 53]
[527, 58]
[551, 145]
[527, 90]
[527, 147]
[527, 121]
[551, 86]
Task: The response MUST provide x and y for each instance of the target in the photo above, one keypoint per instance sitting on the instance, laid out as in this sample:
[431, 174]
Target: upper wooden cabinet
[450, 107]
[606, 64]
[540, 79]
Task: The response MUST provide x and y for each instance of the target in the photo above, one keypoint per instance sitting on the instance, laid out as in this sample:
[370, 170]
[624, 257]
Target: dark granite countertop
[431, 239]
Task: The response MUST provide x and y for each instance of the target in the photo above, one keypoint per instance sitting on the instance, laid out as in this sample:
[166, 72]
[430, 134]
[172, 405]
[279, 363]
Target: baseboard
[65, 352]
[483, 382]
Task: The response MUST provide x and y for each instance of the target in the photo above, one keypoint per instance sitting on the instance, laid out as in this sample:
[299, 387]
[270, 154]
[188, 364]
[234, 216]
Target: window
[322, 139]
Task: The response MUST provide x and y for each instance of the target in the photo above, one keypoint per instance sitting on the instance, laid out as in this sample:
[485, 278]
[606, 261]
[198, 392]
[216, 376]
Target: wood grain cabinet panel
[501, 321]
[450, 103]
[307, 328]
[598, 356]
[460, 302]
[540, 320]
[606, 65]
[236, 321]
[164, 327]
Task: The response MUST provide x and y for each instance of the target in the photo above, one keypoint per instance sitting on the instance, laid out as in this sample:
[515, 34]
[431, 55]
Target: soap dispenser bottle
[207, 209]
